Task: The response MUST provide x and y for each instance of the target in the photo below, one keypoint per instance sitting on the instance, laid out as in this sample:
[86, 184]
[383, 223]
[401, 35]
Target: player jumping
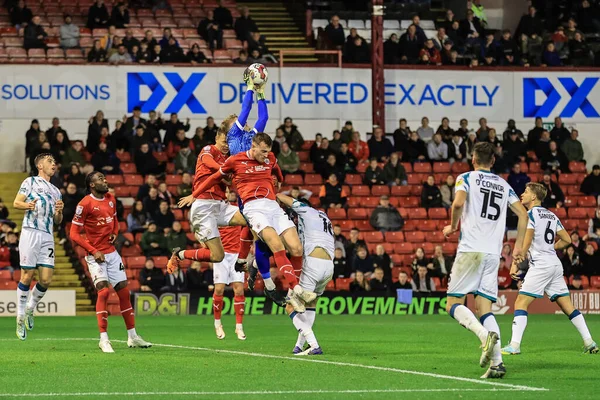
[96, 217]
[225, 273]
[316, 234]
[252, 172]
[43, 205]
[545, 272]
[480, 205]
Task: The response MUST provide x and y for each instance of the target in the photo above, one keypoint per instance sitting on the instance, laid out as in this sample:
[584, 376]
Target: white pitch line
[338, 363]
[266, 392]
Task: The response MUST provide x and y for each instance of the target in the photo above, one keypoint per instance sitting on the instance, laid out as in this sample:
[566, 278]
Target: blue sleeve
[246, 108]
[263, 116]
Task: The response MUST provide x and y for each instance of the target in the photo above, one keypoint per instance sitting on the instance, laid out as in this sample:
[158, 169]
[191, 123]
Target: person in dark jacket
[360, 284]
[555, 159]
[292, 134]
[378, 282]
[517, 179]
[332, 167]
[171, 53]
[223, 16]
[98, 15]
[35, 35]
[591, 184]
[163, 218]
[514, 148]
[209, 30]
[335, 32]
[197, 280]
[401, 135]
[146, 163]
[410, 46]
[195, 56]
[555, 197]
[431, 195]
[210, 130]
[341, 268]
[105, 160]
[530, 24]
[374, 174]
[357, 52]
[363, 262]
[120, 16]
[97, 54]
[332, 194]
[172, 126]
[579, 51]
[152, 279]
[559, 133]
[416, 149]
[31, 137]
[380, 147]
[319, 157]
[244, 24]
[422, 282]
[385, 217]
[534, 135]
[394, 172]
[20, 15]
[403, 282]
[440, 265]
[346, 159]
[391, 50]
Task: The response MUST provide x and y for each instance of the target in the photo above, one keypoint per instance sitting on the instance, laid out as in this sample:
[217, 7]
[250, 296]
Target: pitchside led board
[73, 92]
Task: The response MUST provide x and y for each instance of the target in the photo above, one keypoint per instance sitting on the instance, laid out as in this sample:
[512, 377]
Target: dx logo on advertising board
[532, 87]
[184, 89]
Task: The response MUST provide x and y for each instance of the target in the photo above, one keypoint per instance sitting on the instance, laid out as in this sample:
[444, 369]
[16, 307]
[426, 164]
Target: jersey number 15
[490, 202]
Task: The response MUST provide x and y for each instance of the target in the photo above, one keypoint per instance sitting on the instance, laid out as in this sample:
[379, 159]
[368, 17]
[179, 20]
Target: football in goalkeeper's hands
[259, 74]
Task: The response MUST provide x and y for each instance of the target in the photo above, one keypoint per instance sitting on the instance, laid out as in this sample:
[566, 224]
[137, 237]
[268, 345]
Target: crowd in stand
[553, 36]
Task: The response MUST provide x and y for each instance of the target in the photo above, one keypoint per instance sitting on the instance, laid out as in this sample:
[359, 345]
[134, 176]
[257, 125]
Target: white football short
[266, 213]
[224, 272]
[206, 216]
[36, 249]
[475, 273]
[111, 270]
[545, 278]
[316, 274]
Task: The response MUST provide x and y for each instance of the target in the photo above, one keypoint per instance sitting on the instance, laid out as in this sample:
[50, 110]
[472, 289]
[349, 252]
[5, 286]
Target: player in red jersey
[251, 173]
[96, 216]
[225, 273]
[209, 210]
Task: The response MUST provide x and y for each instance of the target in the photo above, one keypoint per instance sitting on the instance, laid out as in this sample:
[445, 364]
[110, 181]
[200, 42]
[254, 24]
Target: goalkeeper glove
[248, 80]
[260, 93]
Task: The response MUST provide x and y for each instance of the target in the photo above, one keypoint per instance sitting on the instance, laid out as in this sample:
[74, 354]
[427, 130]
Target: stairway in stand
[280, 30]
[65, 276]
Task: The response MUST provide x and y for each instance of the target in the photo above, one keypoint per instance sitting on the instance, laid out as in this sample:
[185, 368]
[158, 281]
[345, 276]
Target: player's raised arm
[263, 111]
[246, 102]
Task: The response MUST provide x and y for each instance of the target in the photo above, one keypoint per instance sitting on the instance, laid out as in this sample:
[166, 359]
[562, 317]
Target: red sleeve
[228, 167]
[78, 225]
[208, 183]
[277, 172]
[208, 158]
[115, 220]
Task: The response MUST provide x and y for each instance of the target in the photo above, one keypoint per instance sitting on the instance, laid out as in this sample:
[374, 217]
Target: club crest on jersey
[110, 203]
[206, 148]
[267, 161]
[78, 210]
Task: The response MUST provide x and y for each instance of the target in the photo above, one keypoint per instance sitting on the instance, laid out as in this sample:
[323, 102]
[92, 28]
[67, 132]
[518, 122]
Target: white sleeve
[26, 187]
[512, 196]
[530, 220]
[299, 207]
[462, 183]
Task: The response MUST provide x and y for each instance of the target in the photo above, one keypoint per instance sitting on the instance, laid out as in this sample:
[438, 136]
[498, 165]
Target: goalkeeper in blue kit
[239, 139]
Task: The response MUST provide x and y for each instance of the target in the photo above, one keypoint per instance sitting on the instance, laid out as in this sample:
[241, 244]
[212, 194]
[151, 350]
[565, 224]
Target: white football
[259, 74]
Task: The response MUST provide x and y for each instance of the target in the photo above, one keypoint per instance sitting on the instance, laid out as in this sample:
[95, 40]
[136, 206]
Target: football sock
[217, 307]
[196, 255]
[262, 254]
[304, 328]
[36, 295]
[22, 294]
[101, 313]
[246, 239]
[518, 328]
[466, 318]
[297, 264]
[579, 322]
[309, 318]
[489, 322]
[127, 311]
[285, 267]
[238, 305]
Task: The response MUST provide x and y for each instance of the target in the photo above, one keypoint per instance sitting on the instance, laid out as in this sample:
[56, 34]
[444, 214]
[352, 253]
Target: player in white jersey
[480, 205]
[316, 234]
[43, 204]
[545, 274]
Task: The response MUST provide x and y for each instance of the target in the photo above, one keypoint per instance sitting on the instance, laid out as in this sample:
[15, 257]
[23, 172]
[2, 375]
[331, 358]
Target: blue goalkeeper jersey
[240, 140]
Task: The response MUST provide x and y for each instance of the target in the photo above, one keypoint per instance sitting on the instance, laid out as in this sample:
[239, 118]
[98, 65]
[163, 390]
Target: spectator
[121, 56]
[571, 29]
[31, 136]
[288, 160]
[377, 281]
[98, 15]
[340, 239]
[416, 21]
[410, 46]
[185, 160]
[166, 38]
[416, 150]
[570, 260]
[152, 279]
[332, 167]
[440, 38]
[422, 282]
[504, 278]
[455, 149]
[560, 39]
[149, 39]
[394, 173]
[588, 261]
[555, 197]
[335, 32]
[20, 15]
[341, 269]
[185, 187]
[479, 12]
[591, 184]
[401, 135]
[146, 163]
[332, 194]
[171, 52]
[347, 132]
[198, 279]
[244, 24]
[403, 282]
[514, 148]
[593, 232]
[448, 191]
[577, 242]
[256, 41]
[431, 196]
[559, 133]
[359, 284]
[352, 245]
[153, 242]
[12, 243]
[517, 179]
[471, 31]
[242, 58]
[177, 237]
[543, 145]
[195, 56]
[152, 201]
[530, 24]
[445, 130]
[256, 57]
[382, 260]
[534, 135]
[175, 281]
[550, 57]
[391, 50]
[363, 262]
[223, 16]
[579, 51]
[437, 150]
[200, 140]
[60, 146]
[73, 155]
[463, 128]
[572, 147]
[493, 138]
[164, 194]
[385, 217]
[358, 148]
[380, 147]
[483, 131]
[506, 255]
[434, 56]
[138, 219]
[174, 125]
[440, 265]
[210, 31]
[105, 160]
[55, 129]
[120, 16]
[129, 40]
[555, 159]
[374, 174]
[425, 130]
[576, 283]
[140, 138]
[319, 156]
[358, 52]
[450, 54]
[69, 34]
[163, 218]
[510, 128]
[97, 54]
[346, 160]
[35, 35]
[292, 134]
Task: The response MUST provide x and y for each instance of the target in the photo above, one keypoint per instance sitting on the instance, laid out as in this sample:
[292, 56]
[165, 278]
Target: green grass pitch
[367, 357]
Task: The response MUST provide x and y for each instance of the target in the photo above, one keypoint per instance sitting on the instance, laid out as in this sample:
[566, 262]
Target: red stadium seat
[8, 285]
[404, 248]
[173, 179]
[585, 283]
[414, 237]
[394, 237]
[114, 179]
[535, 167]
[336, 213]
[293, 179]
[313, 179]
[577, 166]
[449, 248]
[418, 213]
[460, 167]
[354, 179]
[438, 213]
[122, 191]
[362, 166]
[428, 225]
[586, 201]
[132, 251]
[577, 213]
[357, 213]
[410, 202]
[567, 179]
[361, 190]
[560, 212]
[5, 275]
[400, 190]
[380, 190]
[441, 167]
[373, 237]
[135, 262]
[422, 168]
[304, 156]
[435, 237]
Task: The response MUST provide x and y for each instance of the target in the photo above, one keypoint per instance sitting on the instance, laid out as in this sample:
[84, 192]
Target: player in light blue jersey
[545, 274]
[43, 204]
[481, 201]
